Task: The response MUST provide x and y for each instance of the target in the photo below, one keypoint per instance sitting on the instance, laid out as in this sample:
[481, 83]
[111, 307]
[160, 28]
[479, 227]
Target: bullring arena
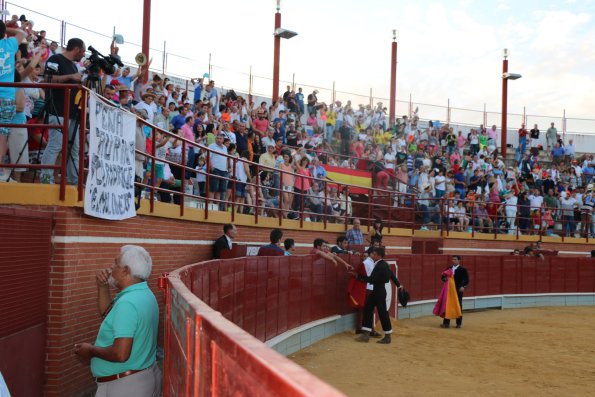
[536, 352]
[185, 239]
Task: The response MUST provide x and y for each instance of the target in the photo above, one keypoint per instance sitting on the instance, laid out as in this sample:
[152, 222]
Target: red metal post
[152, 159]
[393, 82]
[183, 181]
[82, 136]
[276, 57]
[146, 34]
[504, 105]
[65, 133]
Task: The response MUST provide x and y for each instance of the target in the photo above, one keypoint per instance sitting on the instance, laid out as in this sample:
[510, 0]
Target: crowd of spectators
[451, 177]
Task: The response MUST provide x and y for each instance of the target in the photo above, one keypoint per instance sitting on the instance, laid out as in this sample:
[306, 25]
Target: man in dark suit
[224, 242]
[381, 274]
[461, 277]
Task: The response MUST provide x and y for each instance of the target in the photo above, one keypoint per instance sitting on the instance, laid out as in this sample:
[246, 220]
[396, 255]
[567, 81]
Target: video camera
[99, 62]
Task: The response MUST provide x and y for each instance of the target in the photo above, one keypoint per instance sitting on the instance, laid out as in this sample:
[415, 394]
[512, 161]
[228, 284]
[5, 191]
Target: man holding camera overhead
[61, 68]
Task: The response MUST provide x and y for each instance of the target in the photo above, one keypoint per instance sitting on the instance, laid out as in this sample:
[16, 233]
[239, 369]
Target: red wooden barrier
[266, 296]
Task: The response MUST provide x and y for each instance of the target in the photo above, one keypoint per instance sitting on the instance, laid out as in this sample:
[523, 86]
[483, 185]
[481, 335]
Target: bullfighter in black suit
[461, 277]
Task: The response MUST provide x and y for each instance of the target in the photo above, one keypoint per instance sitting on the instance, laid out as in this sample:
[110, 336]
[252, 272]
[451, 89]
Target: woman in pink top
[461, 141]
[302, 185]
[287, 183]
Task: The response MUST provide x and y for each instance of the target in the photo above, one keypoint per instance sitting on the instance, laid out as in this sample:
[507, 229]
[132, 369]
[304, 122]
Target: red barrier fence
[499, 275]
[266, 296]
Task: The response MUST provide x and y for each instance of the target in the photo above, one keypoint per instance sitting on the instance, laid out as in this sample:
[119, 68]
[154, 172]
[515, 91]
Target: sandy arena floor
[514, 352]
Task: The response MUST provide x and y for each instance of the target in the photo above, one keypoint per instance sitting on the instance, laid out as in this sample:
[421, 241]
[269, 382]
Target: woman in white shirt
[453, 218]
[462, 215]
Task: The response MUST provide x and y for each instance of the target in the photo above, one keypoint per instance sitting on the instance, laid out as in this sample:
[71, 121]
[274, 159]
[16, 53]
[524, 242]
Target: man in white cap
[147, 104]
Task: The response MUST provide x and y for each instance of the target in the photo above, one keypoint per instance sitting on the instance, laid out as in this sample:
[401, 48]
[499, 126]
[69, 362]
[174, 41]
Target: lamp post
[393, 78]
[279, 34]
[277, 53]
[505, 77]
[146, 35]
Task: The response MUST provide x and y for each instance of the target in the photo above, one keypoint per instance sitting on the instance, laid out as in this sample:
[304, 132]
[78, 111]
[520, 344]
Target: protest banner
[109, 192]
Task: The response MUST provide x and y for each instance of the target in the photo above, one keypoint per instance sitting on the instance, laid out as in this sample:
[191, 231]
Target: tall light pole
[277, 53]
[146, 34]
[393, 78]
[280, 33]
[505, 77]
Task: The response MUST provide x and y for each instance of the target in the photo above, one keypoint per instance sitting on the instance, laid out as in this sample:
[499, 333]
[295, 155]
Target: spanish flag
[361, 181]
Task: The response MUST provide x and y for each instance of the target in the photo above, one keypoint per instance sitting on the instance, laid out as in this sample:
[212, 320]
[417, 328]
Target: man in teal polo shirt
[123, 356]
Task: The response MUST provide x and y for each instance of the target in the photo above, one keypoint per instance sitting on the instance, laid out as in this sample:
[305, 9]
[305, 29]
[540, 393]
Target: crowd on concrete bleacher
[452, 177]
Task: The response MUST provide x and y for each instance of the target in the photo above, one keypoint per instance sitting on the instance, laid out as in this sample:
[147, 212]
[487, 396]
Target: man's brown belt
[117, 376]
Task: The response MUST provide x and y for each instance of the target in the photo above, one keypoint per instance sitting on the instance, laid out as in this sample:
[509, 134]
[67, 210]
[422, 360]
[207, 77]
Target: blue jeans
[54, 147]
[329, 133]
[569, 225]
[461, 192]
[523, 145]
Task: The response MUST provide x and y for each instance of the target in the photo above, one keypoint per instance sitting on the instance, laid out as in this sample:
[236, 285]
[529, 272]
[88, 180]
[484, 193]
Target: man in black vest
[461, 282]
[377, 299]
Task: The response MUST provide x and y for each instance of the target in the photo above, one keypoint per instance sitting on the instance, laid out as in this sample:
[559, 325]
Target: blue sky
[447, 49]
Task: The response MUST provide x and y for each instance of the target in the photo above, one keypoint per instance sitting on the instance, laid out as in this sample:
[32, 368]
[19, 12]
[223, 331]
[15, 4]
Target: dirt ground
[514, 352]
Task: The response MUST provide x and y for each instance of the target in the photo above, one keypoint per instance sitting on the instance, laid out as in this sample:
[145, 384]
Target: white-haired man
[123, 356]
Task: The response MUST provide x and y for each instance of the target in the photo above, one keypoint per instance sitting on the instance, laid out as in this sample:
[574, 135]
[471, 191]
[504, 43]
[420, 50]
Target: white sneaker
[4, 176]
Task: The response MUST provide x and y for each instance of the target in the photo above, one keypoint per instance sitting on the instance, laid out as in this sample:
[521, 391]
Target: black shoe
[359, 331]
[375, 334]
[364, 337]
[386, 340]
[459, 325]
[444, 325]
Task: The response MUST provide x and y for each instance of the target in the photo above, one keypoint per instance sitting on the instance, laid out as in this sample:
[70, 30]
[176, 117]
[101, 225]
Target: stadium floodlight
[284, 33]
[511, 76]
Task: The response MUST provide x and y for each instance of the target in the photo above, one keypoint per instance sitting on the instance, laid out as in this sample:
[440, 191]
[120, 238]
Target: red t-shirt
[261, 125]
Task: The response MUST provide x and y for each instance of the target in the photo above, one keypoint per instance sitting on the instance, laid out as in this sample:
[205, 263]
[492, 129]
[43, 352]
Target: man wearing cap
[147, 105]
[218, 168]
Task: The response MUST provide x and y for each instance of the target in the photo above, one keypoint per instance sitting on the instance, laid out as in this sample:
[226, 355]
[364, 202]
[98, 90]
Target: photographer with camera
[61, 68]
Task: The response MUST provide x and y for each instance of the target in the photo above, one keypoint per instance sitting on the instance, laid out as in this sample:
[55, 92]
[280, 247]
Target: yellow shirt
[331, 118]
